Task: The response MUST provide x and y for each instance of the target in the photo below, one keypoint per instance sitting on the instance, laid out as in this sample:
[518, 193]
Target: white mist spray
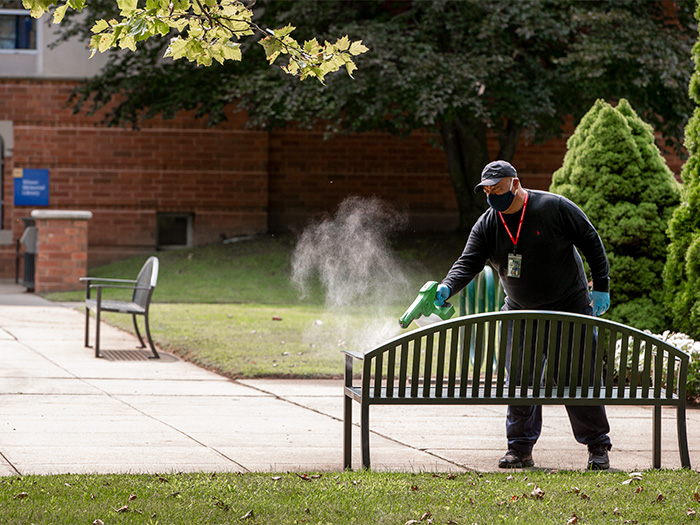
[350, 255]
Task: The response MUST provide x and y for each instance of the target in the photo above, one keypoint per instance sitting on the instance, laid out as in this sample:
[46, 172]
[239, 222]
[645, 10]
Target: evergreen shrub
[682, 271]
[616, 174]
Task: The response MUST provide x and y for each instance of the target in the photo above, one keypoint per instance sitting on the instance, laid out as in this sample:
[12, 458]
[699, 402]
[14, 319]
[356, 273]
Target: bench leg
[656, 438]
[97, 331]
[136, 328]
[347, 432]
[150, 340]
[87, 327]
[682, 435]
[364, 433]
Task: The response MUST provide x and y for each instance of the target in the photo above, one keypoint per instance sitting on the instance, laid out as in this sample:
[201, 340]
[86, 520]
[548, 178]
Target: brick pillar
[62, 248]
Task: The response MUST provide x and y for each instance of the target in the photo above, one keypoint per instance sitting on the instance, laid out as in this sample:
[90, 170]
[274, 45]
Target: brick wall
[125, 177]
[62, 248]
[310, 176]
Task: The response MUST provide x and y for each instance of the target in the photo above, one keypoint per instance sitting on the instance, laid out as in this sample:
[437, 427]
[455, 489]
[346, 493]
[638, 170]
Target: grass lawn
[651, 497]
[233, 307]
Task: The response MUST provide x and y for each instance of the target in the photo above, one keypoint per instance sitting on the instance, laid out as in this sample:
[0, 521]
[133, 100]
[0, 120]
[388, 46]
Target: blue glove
[442, 294]
[600, 302]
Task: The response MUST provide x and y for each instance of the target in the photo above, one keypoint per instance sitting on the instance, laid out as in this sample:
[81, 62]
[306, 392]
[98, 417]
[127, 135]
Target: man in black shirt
[530, 238]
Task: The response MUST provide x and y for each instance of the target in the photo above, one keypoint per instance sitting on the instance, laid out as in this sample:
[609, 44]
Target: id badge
[514, 264]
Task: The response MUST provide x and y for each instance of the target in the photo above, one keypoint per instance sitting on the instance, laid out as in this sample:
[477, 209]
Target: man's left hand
[600, 302]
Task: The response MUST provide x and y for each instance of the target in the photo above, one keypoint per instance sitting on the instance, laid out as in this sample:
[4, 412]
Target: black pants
[524, 422]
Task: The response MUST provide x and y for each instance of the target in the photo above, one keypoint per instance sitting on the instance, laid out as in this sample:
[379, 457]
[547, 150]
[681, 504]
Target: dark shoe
[598, 458]
[515, 459]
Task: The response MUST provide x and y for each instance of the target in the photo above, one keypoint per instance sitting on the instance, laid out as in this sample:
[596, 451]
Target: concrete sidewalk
[63, 411]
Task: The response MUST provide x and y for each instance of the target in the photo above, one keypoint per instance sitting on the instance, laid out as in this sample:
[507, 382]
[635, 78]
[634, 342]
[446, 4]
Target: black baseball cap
[493, 173]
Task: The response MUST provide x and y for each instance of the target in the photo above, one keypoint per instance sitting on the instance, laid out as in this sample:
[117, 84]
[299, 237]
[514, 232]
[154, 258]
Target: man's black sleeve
[585, 237]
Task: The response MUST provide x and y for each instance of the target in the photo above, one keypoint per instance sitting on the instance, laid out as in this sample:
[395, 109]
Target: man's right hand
[442, 294]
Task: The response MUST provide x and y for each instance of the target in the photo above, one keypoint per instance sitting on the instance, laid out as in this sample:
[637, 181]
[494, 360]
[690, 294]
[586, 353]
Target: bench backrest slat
[403, 369]
[502, 348]
[478, 357]
[465, 340]
[440, 372]
[453, 371]
[562, 356]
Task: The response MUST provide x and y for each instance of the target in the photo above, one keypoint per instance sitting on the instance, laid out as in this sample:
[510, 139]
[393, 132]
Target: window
[17, 29]
[174, 230]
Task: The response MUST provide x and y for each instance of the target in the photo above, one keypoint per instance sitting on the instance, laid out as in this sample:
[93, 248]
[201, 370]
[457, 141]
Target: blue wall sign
[32, 187]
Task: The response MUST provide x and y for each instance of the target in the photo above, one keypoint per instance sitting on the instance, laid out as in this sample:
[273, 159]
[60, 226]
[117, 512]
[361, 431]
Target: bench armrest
[105, 280]
[100, 287]
[354, 355]
[119, 286]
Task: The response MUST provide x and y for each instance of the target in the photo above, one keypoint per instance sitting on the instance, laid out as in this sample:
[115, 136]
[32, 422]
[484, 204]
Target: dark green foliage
[682, 271]
[615, 172]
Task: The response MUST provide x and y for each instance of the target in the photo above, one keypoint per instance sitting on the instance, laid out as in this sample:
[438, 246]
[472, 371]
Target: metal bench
[142, 288]
[565, 359]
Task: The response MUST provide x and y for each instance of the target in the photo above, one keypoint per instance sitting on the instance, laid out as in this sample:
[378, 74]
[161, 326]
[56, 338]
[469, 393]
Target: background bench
[141, 293]
[430, 366]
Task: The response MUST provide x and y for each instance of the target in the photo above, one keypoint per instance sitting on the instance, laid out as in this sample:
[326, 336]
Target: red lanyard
[517, 235]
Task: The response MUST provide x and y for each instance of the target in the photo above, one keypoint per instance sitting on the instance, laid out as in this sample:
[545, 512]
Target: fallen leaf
[690, 512]
[276, 318]
[125, 508]
[634, 476]
[696, 497]
[572, 520]
[630, 480]
[276, 478]
[304, 477]
[414, 488]
[221, 504]
[98, 522]
[616, 511]
[537, 493]
[163, 480]
[248, 515]
[21, 495]
[132, 497]
[426, 516]
[660, 498]
[412, 522]
[639, 489]
[585, 496]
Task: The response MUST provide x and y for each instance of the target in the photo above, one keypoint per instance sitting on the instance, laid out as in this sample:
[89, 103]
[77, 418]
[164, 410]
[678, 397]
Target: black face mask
[501, 202]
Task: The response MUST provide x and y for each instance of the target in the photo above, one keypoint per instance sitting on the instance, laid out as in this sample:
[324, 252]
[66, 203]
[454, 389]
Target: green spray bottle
[424, 305]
